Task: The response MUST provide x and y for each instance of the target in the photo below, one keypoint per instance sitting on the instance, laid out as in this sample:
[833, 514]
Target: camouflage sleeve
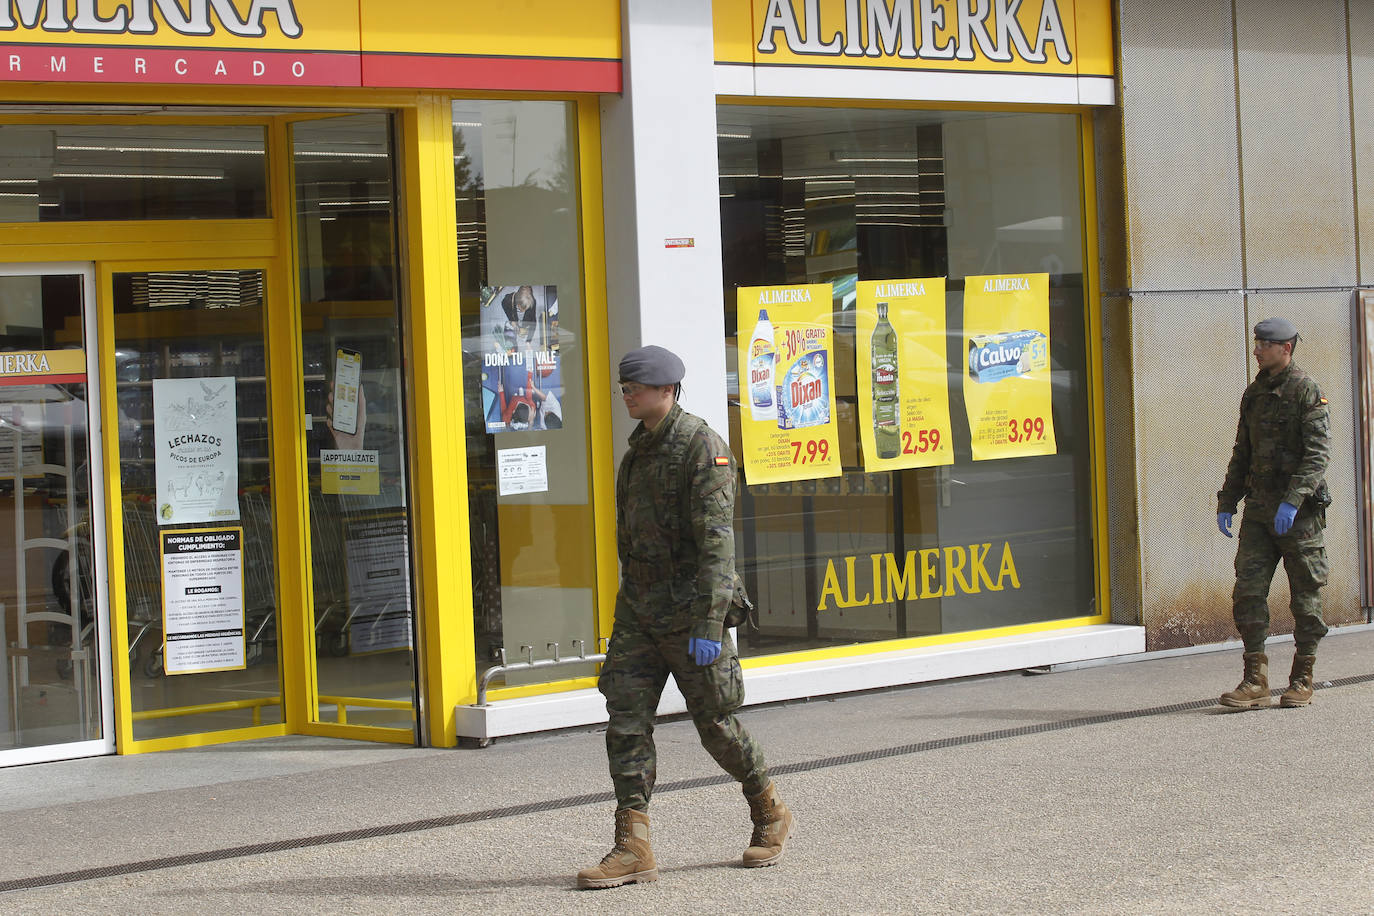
[1316, 447]
[1233, 489]
[712, 507]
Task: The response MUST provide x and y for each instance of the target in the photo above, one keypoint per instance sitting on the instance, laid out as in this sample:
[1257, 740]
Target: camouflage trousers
[1303, 551]
[636, 669]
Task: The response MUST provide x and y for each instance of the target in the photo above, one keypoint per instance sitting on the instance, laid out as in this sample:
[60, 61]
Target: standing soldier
[1283, 444]
[675, 502]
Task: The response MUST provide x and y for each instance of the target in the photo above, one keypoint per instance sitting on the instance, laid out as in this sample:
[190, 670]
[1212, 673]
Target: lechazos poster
[1007, 373]
[786, 375]
[902, 381]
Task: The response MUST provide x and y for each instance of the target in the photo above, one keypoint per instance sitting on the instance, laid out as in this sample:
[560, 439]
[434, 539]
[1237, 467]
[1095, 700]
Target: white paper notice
[522, 470]
[195, 421]
[202, 595]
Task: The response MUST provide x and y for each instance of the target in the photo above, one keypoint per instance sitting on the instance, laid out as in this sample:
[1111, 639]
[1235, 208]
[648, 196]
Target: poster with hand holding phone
[349, 468]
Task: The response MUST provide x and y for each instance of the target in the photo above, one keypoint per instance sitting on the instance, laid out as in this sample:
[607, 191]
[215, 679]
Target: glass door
[196, 499]
[353, 385]
[55, 699]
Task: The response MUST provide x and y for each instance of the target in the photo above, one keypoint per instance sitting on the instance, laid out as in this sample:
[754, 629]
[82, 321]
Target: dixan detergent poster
[786, 383]
[1007, 375]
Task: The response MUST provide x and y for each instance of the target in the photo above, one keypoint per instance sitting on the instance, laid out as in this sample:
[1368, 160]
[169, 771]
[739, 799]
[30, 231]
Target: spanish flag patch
[722, 461]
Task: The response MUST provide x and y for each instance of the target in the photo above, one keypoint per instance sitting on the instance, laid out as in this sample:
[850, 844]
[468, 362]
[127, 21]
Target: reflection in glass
[837, 196]
[195, 325]
[49, 650]
[68, 172]
[356, 439]
[519, 267]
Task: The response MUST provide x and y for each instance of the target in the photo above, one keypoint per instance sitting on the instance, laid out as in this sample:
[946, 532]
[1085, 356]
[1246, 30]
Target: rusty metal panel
[1362, 72]
[1182, 174]
[1323, 320]
[1295, 144]
[1189, 369]
[1122, 528]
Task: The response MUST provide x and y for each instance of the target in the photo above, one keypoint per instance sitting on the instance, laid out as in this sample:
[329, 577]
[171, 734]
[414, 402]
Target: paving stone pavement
[1101, 788]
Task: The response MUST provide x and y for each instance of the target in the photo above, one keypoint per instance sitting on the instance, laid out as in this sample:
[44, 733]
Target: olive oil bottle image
[887, 408]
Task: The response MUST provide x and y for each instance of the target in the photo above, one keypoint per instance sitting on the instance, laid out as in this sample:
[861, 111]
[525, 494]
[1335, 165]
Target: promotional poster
[202, 600]
[1007, 376]
[195, 421]
[786, 383]
[903, 382]
[522, 380]
[378, 563]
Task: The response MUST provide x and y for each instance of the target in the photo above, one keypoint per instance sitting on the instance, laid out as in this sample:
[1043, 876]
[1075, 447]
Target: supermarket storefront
[291, 289]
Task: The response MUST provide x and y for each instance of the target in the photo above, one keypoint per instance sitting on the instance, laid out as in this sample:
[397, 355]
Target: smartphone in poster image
[522, 379]
[348, 371]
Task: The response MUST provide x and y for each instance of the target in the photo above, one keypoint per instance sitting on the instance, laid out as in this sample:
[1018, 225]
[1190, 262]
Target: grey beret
[652, 366]
[1278, 329]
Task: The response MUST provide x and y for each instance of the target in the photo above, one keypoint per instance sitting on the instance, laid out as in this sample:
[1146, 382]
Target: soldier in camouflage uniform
[675, 501]
[1283, 444]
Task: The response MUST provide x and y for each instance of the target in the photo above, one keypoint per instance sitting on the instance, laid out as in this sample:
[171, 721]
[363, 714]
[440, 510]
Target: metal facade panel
[1189, 369]
[1362, 71]
[1295, 144]
[1323, 320]
[1182, 179]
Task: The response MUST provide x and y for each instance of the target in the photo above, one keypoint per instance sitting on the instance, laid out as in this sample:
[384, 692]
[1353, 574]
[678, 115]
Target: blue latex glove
[1283, 519]
[703, 651]
[1224, 523]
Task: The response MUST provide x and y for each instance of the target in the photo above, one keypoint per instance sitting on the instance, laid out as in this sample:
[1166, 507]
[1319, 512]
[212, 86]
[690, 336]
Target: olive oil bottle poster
[1007, 377]
[786, 383]
[903, 376]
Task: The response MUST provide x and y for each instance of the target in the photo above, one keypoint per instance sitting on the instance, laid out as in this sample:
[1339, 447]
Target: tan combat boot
[1253, 690]
[772, 826]
[630, 861]
[1299, 692]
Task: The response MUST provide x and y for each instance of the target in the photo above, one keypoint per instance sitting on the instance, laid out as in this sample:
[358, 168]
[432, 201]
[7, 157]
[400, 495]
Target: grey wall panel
[1323, 320]
[1122, 526]
[1362, 71]
[1182, 181]
[1187, 397]
[1295, 143]
[1108, 159]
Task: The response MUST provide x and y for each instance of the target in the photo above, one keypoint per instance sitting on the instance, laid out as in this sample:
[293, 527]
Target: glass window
[818, 195]
[66, 172]
[520, 269]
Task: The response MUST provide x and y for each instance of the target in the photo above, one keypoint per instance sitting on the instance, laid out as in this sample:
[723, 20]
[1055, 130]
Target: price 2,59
[811, 451]
[925, 440]
[1027, 429]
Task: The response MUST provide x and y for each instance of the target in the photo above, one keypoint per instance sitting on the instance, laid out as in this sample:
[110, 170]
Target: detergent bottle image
[763, 357]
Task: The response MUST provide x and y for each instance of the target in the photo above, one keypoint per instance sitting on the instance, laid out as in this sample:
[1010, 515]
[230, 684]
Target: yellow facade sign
[29, 366]
[1007, 386]
[903, 380]
[537, 44]
[786, 380]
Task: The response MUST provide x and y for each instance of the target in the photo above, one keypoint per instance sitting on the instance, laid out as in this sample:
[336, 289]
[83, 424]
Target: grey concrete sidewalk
[1109, 789]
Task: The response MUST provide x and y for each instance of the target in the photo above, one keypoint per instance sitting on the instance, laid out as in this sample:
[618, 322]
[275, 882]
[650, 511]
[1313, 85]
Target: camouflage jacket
[675, 512]
[1283, 444]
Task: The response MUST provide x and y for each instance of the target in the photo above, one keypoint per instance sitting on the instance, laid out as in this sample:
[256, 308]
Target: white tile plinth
[823, 678]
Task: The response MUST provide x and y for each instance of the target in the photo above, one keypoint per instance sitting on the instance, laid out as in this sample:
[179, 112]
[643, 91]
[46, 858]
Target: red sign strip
[105, 64]
[451, 71]
[8, 380]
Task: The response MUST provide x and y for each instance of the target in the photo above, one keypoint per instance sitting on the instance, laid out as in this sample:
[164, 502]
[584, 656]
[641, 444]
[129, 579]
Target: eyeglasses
[632, 389]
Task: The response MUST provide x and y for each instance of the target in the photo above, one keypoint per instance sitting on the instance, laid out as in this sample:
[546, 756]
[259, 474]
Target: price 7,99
[1026, 430]
[810, 452]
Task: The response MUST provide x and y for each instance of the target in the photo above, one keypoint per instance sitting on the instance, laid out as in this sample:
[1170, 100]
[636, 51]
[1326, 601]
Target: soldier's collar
[643, 437]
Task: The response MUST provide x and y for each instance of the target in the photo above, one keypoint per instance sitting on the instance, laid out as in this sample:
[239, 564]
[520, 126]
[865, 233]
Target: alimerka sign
[535, 45]
[135, 17]
[1000, 31]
